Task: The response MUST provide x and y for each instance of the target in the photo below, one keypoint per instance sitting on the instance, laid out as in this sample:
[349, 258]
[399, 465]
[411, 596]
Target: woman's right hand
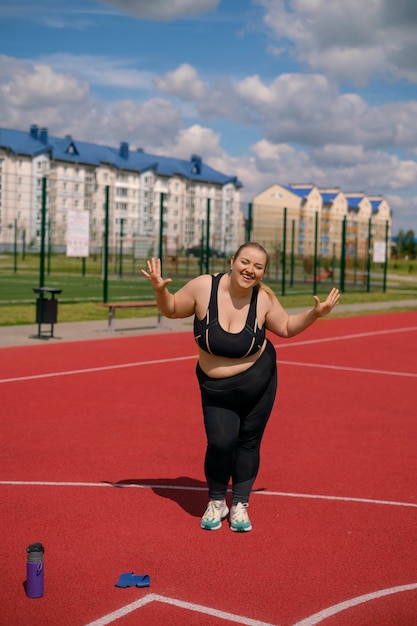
[154, 275]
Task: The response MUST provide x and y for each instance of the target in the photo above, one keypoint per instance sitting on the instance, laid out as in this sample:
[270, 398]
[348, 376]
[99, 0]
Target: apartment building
[142, 188]
[316, 218]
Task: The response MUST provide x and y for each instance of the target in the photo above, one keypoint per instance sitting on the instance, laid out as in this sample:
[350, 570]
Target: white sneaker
[239, 520]
[215, 512]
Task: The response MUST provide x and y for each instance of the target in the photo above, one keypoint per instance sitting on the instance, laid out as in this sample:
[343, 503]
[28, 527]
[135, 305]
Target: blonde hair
[252, 244]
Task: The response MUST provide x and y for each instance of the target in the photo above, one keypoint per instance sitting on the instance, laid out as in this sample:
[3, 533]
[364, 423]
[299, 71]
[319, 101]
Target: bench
[113, 306]
[322, 276]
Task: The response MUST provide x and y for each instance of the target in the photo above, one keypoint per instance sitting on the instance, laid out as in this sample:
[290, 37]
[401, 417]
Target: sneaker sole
[225, 513]
[241, 530]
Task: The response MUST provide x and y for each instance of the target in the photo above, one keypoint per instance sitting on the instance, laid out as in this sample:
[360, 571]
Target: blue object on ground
[131, 580]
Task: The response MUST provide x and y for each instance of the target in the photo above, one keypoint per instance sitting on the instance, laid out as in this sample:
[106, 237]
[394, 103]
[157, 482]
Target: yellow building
[316, 218]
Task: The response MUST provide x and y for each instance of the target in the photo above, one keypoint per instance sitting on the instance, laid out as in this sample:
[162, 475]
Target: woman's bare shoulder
[202, 279]
[198, 284]
[266, 295]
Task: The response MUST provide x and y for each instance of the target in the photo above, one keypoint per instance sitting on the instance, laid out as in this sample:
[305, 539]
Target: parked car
[196, 251]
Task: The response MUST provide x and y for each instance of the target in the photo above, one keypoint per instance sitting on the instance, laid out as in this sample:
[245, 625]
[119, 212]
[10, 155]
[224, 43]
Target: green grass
[77, 301]
[11, 315]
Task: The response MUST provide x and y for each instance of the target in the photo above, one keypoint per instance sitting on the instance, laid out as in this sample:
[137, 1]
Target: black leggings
[236, 410]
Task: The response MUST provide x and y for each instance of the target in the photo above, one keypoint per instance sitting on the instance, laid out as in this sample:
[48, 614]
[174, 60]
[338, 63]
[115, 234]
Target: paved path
[81, 331]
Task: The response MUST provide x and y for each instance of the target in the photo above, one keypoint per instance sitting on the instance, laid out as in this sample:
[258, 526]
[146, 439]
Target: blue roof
[375, 205]
[303, 192]
[328, 197]
[19, 142]
[38, 141]
[353, 202]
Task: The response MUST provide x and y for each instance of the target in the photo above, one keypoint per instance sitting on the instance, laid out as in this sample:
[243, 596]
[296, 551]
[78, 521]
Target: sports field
[102, 461]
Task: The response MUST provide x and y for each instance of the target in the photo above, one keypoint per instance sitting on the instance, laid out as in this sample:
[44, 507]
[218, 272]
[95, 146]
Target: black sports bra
[212, 338]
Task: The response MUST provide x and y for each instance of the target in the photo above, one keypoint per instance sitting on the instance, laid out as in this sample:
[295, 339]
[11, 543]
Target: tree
[406, 243]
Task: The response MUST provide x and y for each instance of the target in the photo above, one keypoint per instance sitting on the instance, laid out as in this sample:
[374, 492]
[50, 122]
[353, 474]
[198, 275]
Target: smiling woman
[236, 368]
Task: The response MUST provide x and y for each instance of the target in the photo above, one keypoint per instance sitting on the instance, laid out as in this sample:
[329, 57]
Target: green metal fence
[309, 250]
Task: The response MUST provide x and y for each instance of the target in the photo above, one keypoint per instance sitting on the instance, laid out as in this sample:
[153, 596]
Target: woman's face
[249, 266]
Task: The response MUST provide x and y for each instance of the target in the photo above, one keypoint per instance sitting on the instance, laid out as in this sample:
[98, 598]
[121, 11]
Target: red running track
[102, 451]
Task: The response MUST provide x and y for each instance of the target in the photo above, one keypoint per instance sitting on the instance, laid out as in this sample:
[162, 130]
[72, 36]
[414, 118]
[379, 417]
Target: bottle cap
[35, 550]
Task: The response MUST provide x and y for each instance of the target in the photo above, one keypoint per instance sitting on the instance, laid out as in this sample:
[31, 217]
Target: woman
[236, 368]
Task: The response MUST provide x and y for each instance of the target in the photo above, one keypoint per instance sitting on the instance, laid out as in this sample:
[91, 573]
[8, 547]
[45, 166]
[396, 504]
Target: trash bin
[46, 310]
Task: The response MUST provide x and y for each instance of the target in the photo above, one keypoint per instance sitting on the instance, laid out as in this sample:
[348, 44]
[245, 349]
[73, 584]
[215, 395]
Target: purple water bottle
[35, 570]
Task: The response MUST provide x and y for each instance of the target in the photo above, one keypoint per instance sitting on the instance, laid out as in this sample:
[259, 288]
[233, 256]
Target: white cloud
[312, 131]
[309, 110]
[182, 82]
[403, 209]
[25, 85]
[100, 70]
[195, 140]
[220, 100]
[150, 125]
[162, 9]
[349, 41]
[36, 93]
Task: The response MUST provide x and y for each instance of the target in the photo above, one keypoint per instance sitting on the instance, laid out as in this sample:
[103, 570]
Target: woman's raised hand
[154, 275]
[323, 308]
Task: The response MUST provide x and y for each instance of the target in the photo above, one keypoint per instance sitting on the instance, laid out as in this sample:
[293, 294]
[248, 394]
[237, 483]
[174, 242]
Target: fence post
[316, 234]
[249, 223]
[106, 245]
[43, 229]
[384, 286]
[49, 245]
[161, 229]
[121, 248]
[284, 252]
[368, 258]
[15, 247]
[207, 251]
[343, 257]
[292, 252]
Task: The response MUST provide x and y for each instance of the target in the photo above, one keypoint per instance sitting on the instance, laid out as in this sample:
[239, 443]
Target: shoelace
[212, 509]
[240, 513]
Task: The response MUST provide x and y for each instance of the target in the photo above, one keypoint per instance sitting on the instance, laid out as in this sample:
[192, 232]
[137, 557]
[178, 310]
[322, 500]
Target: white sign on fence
[77, 233]
[380, 251]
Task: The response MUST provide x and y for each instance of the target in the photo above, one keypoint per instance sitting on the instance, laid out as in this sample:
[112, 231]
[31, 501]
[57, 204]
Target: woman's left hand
[323, 308]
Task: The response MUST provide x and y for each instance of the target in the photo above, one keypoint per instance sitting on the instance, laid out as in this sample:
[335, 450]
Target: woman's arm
[278, 321]
[178, 305]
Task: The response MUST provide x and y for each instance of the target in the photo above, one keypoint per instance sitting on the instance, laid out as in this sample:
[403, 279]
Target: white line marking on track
[281, 494]
[153, 597]
[373, 333]
[343, 606]
[342, 368]
[280, 346]
[341, 498]
[91, 370]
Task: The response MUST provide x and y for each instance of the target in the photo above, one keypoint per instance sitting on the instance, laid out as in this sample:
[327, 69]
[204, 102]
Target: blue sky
[273, 91]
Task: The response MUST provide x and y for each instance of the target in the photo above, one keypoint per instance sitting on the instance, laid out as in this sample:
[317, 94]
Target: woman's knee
[221, 447]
